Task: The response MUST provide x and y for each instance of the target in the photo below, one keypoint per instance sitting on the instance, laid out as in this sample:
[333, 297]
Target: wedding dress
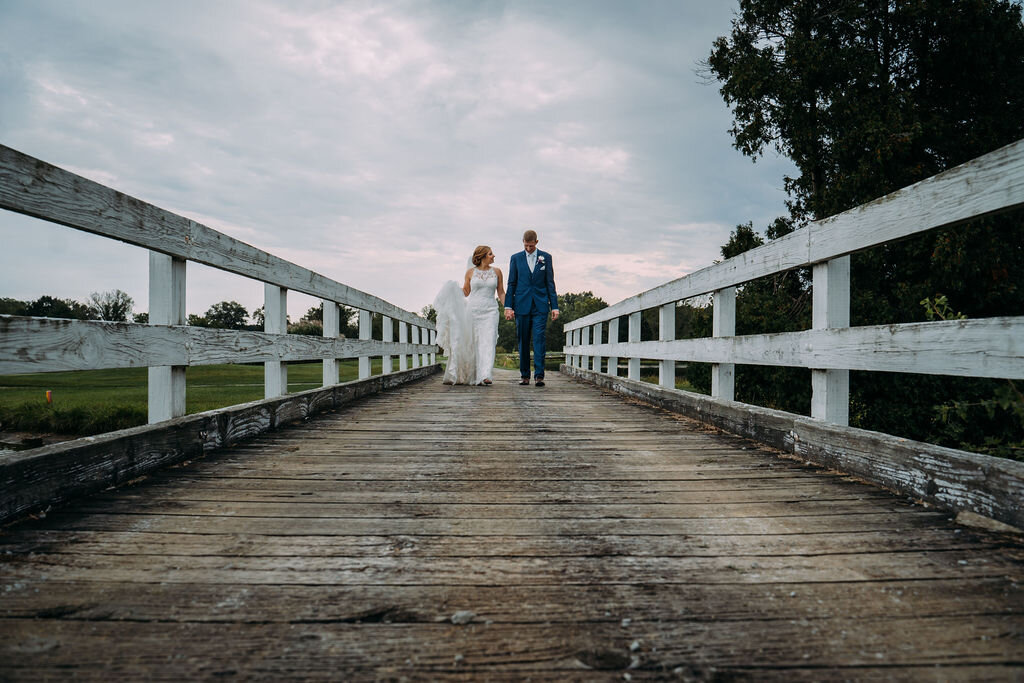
[467, 327]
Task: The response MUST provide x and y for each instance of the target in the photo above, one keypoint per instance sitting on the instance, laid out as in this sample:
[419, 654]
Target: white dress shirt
[531, 260]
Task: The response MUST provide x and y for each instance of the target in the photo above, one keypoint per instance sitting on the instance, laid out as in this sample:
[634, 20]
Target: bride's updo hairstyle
[479, 254]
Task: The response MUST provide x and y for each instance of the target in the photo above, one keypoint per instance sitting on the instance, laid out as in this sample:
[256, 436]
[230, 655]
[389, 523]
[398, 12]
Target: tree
[227, 315]
[571, 306]
[10, 306]
[429, 313]
[867, 98]
[114, 306]
[51, 307]
[141, 317]
[312, 323]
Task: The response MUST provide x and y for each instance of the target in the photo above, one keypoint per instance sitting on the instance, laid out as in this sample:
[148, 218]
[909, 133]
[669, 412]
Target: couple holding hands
[467, 316]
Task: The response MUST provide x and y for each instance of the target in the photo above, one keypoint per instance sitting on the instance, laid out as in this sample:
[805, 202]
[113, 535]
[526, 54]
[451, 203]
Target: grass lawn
[96, 401]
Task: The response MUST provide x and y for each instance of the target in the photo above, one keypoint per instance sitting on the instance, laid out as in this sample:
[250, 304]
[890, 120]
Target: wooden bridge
[397, 528]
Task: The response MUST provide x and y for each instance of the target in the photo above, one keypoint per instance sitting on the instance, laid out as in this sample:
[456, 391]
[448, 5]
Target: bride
[467, 320]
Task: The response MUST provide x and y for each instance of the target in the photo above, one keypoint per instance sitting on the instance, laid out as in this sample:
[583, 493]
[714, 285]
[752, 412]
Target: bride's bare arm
[501, 286]
[465, 284]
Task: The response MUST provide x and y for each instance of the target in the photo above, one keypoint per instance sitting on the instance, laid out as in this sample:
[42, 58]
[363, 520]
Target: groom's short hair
[530, 236]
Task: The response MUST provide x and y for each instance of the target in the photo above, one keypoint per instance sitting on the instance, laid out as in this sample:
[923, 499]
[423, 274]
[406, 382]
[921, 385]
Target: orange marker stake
[49, 397]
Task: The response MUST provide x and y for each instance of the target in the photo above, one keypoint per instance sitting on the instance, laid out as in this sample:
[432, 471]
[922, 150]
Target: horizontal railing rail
[994, 347]
[166, 345]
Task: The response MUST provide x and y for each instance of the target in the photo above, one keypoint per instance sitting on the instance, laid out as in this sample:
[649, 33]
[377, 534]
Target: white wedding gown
[467, 327]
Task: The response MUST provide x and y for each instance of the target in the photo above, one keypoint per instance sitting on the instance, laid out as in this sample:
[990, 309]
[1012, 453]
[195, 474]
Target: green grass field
[96, 401]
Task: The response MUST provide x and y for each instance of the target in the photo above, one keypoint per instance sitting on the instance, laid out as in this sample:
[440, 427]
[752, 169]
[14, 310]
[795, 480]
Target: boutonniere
[540, 258]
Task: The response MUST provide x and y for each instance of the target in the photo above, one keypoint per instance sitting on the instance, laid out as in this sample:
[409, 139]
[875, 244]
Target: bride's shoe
[487, 382]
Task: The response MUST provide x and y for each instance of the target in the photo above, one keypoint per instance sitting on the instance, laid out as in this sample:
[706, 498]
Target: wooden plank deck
[580, 536]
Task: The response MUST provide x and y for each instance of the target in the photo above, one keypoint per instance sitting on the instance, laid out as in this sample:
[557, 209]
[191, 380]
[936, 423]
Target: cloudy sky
[378, 142]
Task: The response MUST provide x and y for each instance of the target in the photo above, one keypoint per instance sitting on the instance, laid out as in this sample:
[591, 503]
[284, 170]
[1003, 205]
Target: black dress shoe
[524, 382]
[539, 383]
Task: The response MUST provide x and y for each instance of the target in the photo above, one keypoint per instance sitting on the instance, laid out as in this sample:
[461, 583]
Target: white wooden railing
[166, 345]
[992, 347]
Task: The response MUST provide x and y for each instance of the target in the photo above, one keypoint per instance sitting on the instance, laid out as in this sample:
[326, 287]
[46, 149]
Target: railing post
[424, 339]
[667, 332]
[415, 340]
[332, 327]
[613, 338]
[365, 330]
[597, 340]
[388, 335]
[830, 389]
[166, 307]
[403, 338]
[568, 343]
[433, 352]
[275, 321]
[633, 367]
[584, 342]
[723, 375]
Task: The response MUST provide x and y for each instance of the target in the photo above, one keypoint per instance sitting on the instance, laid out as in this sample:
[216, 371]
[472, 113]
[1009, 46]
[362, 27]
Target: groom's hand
[510, 314]
[554, 314]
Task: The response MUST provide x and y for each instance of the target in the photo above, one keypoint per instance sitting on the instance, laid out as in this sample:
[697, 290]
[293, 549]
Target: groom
[529, 297]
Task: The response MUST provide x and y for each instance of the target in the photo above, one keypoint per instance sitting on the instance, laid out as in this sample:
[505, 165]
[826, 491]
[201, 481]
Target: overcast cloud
[378, 142]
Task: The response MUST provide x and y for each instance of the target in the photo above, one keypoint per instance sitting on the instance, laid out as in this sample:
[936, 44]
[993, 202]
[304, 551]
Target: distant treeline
[116, 306]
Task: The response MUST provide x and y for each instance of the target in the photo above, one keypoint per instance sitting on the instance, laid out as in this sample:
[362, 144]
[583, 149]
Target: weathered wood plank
[956, 480]
[500, 570]
[401, 509]
[983, 347]
[89, 601]
[147, 543]
[36, 188]
[30, 345]
[345, 651]
[357, 526]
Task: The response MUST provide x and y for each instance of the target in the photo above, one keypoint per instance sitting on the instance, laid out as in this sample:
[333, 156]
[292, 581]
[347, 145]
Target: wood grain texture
[580, 536]
[30, 345]
[39, 478]
[952, 479]
[981, 347]
[35, 188]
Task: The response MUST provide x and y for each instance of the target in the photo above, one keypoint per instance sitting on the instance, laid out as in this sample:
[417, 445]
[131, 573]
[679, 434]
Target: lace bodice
[483, 285]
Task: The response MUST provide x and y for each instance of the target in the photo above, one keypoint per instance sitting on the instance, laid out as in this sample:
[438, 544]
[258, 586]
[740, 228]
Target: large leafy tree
[115, 306]
[228, 315]
[869, 97]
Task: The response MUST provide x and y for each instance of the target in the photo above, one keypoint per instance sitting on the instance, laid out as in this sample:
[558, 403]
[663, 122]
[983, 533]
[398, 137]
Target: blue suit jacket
[531, 292]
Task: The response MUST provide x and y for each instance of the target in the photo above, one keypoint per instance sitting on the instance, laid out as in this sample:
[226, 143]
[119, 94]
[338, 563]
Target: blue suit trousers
[530, 329]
